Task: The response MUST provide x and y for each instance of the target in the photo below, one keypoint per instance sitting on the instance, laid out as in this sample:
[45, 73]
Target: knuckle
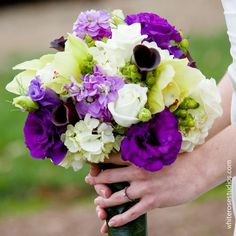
[150, 202]
[141, 174]
[133, 214]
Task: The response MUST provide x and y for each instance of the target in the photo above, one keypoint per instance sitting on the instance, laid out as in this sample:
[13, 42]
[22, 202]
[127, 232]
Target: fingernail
[100, 214]
[88, 179]
[103, 193]
[96, 201]
[112, 223]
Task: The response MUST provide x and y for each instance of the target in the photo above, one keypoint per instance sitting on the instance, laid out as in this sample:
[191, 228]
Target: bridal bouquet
[116, 84]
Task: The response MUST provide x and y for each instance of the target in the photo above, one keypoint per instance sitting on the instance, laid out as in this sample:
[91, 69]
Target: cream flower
[207, 95]
[89, 139]
[131, 99]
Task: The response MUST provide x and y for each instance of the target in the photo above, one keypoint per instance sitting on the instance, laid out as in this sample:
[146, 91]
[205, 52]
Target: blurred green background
[28, 185]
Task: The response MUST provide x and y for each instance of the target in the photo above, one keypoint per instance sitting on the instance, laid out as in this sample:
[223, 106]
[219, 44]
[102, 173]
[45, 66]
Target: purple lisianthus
[95, 92]
[42, 137]
[95, 24]
[45, 97]
[153, 144]
[157, 28]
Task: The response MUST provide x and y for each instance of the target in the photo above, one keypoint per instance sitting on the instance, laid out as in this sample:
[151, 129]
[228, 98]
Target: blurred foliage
[26, 183]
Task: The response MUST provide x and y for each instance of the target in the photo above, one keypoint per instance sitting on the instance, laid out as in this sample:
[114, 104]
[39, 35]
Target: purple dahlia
[42, 137]
[158, 30]
[95, 24]
[153, 144]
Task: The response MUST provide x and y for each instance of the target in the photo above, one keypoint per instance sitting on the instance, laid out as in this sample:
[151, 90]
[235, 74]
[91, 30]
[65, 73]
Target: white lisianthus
[89, 139]
[118, 50]
[208, 96]
[131, 99]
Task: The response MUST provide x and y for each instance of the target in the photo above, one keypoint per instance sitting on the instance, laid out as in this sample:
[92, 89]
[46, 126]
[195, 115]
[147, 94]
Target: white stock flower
[131, 99]
[114, 54]
[89, 139]
[208, 96]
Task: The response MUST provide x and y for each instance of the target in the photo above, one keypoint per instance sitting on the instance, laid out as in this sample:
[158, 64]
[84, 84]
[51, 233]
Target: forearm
[226, 90]
[212, 157]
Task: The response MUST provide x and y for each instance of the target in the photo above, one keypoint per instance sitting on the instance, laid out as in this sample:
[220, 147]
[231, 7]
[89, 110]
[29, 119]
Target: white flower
[89, 139]
[113, 54]
[208, 96]
[74, 160]
[131, 99]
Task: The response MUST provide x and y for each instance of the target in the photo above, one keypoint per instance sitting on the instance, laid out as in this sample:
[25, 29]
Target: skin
[189, 177]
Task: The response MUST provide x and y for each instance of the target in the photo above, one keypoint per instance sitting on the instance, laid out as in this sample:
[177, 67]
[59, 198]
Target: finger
[116, 199]
[133, 213]
[101, 213]
[125, 174]
[103, 190]
[94, 170]
[116, 159]
[104, 228]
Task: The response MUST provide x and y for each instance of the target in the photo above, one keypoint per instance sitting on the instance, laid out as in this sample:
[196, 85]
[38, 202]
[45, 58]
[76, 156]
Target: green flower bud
[89, 40]
[25, 103]
[144, 115]
[184, 43]
[150, 79]
[120, 130]
[188, 121]
[130, 71]
[87, 66]
[181, 113]
[189, 103]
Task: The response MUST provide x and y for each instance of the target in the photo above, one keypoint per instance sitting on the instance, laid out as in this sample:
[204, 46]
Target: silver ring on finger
[126, 194]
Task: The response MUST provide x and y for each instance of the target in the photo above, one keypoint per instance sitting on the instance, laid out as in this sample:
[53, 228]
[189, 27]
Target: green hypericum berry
[130, 71]
[151, 78]
[144, 115]
[189, 103]
[87, 66]
[187, 122]
[120, 130]
[181, 113]
[89, 40]
[184, 43]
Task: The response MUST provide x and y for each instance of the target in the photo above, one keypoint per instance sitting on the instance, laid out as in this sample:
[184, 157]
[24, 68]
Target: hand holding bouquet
[116, 84]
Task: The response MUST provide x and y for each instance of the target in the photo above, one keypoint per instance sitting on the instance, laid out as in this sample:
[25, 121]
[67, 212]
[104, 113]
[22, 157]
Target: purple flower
[158, 29]
[43, 138]
[95, 24]
[45, 97]
[95, 92]
[153, 144]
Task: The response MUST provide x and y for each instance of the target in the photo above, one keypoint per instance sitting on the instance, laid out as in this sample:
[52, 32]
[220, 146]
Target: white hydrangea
[74, 160]
[208, 96]
[89, 140]
[118, 50]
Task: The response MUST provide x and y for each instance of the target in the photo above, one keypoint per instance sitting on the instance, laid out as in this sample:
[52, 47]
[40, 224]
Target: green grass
[27, 184]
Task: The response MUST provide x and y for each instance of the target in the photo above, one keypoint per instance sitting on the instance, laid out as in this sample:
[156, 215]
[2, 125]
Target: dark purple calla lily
[147, 59]
[65, 114]
[58, 44]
